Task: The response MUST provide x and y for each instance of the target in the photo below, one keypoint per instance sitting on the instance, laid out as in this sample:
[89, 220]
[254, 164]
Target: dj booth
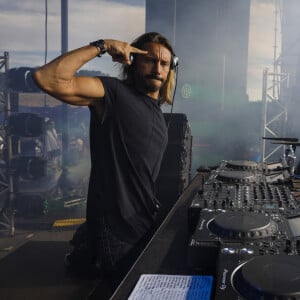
[238, 224]
[233, 233]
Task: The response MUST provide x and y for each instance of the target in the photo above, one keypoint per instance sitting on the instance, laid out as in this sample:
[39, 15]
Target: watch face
[101, 46]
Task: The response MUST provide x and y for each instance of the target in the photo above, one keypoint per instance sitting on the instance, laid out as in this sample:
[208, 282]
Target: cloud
[108, 20]
[22, 31]
[25, 22]
[22, 25]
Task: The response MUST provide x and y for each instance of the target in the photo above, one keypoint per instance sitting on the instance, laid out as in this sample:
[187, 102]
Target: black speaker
[30, 206]
[175, 171]
[30, 167]
[178, 127]
[177, 157]
[171, 186]
[26, 125]
[168, 190]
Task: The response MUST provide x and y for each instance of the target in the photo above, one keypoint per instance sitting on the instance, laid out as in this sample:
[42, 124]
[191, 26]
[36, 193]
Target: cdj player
[248, 186]
[245, 229]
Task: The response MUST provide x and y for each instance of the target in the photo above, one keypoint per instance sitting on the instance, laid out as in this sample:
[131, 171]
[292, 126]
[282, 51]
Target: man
[128, 137]
[52, 142]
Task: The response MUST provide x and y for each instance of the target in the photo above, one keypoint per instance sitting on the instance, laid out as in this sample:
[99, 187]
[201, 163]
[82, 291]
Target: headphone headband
[173, 64]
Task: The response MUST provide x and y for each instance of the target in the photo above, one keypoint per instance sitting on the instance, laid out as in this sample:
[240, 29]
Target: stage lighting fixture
[20, 80]
[26, 125]
[2, 82]
[2, 142]
[30, 167]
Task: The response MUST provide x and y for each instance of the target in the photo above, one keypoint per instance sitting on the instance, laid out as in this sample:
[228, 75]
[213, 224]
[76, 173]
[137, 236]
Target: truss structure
[274, 113]
[4, 95]
[4, 59]
[274, 106]
[7, 211]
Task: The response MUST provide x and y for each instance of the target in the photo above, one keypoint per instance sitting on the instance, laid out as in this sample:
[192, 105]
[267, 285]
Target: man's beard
[149, 86]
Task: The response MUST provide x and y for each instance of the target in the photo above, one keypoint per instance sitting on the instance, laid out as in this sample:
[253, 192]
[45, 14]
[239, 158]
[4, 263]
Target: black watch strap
[100, 45]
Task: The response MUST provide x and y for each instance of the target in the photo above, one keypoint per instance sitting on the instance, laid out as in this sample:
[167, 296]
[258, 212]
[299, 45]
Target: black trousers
[102, 252]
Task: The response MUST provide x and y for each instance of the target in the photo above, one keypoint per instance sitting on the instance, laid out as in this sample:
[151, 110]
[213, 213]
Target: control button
[247, 251]
[228, 250]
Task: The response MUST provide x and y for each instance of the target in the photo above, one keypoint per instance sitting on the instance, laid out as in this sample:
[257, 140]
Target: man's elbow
[48, 83]
[55, 86]
[39, 79]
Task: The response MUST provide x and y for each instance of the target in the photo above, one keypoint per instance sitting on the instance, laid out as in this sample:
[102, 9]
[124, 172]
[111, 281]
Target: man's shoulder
[110, 80]
[117, 84]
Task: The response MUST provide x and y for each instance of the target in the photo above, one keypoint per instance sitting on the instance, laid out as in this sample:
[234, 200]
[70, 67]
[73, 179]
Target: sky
[22, 28]
[22, 32]
[261, 44]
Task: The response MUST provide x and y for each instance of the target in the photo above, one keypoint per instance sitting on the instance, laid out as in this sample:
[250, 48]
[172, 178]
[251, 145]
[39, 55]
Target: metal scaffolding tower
[7, 213]
[274, 107]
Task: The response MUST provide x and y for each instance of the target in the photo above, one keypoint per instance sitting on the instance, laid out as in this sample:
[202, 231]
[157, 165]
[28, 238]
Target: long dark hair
[166, 92]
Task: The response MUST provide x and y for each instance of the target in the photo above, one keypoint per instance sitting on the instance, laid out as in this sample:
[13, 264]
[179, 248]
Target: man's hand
[121, 51]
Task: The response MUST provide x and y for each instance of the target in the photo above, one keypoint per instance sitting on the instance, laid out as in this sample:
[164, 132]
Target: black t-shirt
[127, 147]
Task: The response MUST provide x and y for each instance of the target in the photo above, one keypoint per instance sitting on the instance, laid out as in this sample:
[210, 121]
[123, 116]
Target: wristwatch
[100, 45]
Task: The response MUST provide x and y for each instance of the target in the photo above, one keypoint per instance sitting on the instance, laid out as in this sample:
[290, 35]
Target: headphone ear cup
[131, 57]
[174, 62]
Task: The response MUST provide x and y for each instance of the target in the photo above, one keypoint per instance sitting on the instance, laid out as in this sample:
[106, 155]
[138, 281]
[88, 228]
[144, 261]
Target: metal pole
[174, 22]
[64, 49]
[64, 26]
[223, 83]
[264, 113]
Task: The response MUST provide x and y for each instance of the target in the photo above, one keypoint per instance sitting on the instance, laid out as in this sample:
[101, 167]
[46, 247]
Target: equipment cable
[172, 105]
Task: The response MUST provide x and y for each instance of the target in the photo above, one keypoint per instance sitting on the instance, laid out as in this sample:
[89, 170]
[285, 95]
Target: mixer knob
[266, 244]
[228, 250]
[250, 234]
[288, 246]
[262, 251]
[247, 251]
[240, 234]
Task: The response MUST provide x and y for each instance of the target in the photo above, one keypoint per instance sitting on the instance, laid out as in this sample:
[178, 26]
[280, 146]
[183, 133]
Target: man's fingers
[138, 51]
[121, 59]
[123, 55]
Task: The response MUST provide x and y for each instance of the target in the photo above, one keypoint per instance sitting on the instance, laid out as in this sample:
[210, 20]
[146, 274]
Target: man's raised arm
[58, 77]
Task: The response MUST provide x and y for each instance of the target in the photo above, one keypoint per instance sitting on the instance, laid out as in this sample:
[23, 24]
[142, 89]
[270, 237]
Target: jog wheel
[271, 277]
[236, 176]
[238, 225]
[242, 165]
